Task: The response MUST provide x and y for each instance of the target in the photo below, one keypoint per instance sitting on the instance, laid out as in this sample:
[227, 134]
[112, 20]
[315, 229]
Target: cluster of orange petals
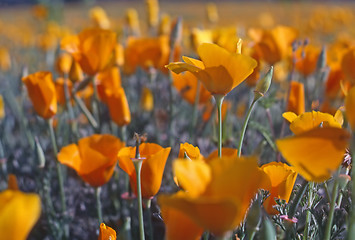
[94, 158]
[154, 158]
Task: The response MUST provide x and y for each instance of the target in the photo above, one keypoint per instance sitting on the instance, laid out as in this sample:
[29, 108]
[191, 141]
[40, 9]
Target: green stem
[98, 204]
[59, 167]
[328, 228]
[95, 102]
[242, 133]
[340, 199]
[73, 124]
[138, 167]
[351, 231]
[309, 214]
[86, 112]
[148, 203]
[219, 102]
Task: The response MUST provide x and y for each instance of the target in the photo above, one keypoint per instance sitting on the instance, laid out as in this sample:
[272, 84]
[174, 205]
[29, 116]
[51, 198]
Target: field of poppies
[177, 120]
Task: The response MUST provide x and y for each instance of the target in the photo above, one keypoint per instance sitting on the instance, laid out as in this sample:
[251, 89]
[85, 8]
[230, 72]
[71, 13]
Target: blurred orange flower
[349, 108]
[274, 45]
[282, 179]
[118, 106]
[191, 151]
[154, 159]
[59, 88]
[41, 90]
[92, 48]
[99, 18]
[296, 98]
[63, 63]
[306, 59]
[187, 84]
[19, 212]
[94, 158]
[147, 100]
[347, 64]
[106, 233]
[214, 203]
[5, 59]
[109, 79]
[220, 71]
[76, 73]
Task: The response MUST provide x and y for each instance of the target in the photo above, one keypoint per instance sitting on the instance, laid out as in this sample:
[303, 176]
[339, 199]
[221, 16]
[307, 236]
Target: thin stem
[309, 214]
[59, 167]
[86, 112]
[340, 199]
[148, 203]
[95, 102]
[98, 204]
[138, 168]
[242, 133]
[219, 102]
[73, 124]
[328, 228]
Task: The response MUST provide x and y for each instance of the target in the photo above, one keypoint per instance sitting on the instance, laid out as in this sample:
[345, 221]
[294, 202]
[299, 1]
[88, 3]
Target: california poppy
[106, 233]
[191, 151]
[147, 100]
[94, 158]
[63, 63]
[92, 49]
[41, 90]
[187, 84]
[154, 159]
[99, 18]
[214, 204]
[118, 106]
[317, 153]
[347, 64]
[5, 59]
[109, 79]
[282, 179]
[307, 58]
[19, 212]
[220, 71]
[349, 107]
[296, 98]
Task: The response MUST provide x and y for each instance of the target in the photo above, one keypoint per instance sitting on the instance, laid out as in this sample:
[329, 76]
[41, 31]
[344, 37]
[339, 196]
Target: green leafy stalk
[219, 102]
[98, 204]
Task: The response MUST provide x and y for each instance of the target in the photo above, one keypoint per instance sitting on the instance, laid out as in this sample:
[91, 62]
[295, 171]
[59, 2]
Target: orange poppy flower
[296, 98]
[333, 84]
[220, 71]
[347, 64]
[274, 45]
[214, 204]
[94, 158]
[76, 73]
[146, 52]
[179, 226]
[307, 64]
[154, 159]
[118, 106]
[282, 178]
[227, 152]
[5, 59]
[41, 90]
[310, 120]
[59, 88]
[106, 233]
[110, 79]
[317, 153]
[63, 63]
[19, 212]
[152, 12]
[191, 151]
[92, 49]
[187, 84]
[99, 18]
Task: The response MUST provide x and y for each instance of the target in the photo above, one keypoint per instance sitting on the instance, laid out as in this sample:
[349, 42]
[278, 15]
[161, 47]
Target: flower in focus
[220, 71]
[92, 48]
[282, 179]
[41, 90]
[118, 106]
[191, 151]
[212, 202]
[318, 147]
[187, 84]
[106, 233]
[19, 212]
[94, 158]
[310, 120]
[296, 98]
[154, 159]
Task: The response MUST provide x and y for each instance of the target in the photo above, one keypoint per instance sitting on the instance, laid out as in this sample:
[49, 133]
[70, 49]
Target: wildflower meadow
[177, 120]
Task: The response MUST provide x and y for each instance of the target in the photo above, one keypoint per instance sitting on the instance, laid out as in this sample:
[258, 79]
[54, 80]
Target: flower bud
[263, 85]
